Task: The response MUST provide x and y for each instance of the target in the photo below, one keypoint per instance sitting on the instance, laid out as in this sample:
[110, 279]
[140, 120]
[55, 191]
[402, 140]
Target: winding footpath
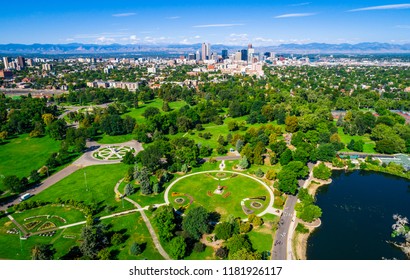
[146, 220]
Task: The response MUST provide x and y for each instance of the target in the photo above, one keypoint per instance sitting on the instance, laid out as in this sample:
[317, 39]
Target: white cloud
[197, 37]
[403, 26]
[295, 15]
[300, 4]
[175, 17]
[124, 15]
[218, 25]
[263, 40]
[384, 7]
[238, 38]
[105, 40]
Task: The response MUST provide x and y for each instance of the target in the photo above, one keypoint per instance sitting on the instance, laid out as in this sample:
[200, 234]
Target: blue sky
[229, 22]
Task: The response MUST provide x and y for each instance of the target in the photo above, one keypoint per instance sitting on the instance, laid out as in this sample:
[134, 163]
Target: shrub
[259, 173]
[136, 249]
[301, 228]
[199, 247]
[221, 253]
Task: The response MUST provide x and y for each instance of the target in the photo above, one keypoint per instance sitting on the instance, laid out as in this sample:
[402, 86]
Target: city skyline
[230, 22]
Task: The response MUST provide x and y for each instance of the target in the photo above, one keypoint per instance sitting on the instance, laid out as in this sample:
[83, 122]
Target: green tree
[177, 248]
[243, 163]
[285, 157]
[223, 230]
[244, 254]
[128, 158]
[136, 249]
[164, 219]
[322, 172]
[196, 222]
[291, 123]
[309, 213]
[94, 239]
[117, 239]
[34, 176]
[238, 242]
[12, 183]
[43, 252]
[287, 181]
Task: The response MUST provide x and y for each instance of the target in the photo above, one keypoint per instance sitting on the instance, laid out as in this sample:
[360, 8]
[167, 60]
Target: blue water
[357, 217]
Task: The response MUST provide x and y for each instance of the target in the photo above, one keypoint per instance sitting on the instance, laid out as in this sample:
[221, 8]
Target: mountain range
[179, 49]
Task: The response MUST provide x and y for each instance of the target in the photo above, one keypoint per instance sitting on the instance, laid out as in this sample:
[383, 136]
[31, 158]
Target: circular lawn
[231, 195]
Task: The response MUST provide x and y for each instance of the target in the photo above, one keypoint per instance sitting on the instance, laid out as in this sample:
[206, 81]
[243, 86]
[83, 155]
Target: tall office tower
[21, 62]
[206, 51]
[224, 54]
[197, 56]
[191, 56]
[250, 46]
[6, 61]
[244, 55]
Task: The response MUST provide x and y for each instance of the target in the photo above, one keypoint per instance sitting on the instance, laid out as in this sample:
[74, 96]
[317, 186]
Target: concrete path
[147, 222]
[21, 228]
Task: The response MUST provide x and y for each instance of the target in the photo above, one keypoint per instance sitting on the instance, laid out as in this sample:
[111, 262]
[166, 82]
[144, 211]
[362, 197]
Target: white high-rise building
[6, 61]
[206, 51]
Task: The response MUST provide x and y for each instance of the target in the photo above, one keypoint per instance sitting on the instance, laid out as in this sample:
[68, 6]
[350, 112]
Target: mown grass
[20, 155]
[199, 185]
[135, 230]
[368, 146]
[98, 191]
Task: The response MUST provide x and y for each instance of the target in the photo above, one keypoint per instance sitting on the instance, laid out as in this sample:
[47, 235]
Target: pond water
[357, 217]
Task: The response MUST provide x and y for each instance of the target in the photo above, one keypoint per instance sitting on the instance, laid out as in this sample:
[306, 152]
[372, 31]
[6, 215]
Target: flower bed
[226, 195]
[209, 193]
[31, 225]
[256, 205]
[47, 225]
[179, 200]
[59, 218]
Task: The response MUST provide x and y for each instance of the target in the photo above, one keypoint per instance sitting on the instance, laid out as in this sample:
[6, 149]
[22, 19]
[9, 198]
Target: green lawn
[17, 249]
[368, 144]
[70, 216]
[261, 239]
[135, 230]
[19, 156]
[143, 200]
[107, 139]
[157, 103]
[208, 254]
[101, 180]
[216, 131]
[239, 187]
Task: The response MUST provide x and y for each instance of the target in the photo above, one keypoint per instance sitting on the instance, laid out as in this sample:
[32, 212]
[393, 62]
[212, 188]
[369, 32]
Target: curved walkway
[267, 210]
[147, 222]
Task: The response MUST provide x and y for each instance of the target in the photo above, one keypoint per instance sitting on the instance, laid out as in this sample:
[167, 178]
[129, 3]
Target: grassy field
[56, 215]
[368, 146]
[17, 249]
[199, 187]
[135, 230]
[216, 131]
[157, 103]
[19, 156]
[261, 238]
[101, 180]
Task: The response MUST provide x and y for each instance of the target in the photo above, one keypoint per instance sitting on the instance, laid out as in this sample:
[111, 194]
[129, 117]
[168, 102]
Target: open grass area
[101, 180]
[135, 230]
[20, 155]
[261, 238]
[107, 139]
[17, 249]
[33, 219]
[208, 254]
[199, 189]
[216, 131]
[368, 146]
[157, 103]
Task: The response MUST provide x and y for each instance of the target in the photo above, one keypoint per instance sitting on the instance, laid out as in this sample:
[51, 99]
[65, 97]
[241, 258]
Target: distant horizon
[159, 22]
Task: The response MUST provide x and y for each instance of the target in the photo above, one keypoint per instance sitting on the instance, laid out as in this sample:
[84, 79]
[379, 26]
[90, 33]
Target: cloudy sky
[229, 22]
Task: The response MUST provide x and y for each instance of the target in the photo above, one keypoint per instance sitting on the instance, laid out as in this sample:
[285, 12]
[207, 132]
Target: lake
[357, 216]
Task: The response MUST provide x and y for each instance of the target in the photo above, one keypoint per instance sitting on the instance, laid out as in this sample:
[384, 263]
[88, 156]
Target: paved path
[17, 225]
[68, 109]
[147, 222]
[282, 249]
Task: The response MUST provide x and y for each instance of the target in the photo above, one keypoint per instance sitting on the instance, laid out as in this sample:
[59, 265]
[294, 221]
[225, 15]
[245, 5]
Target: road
[282, 246]
[281, 238]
